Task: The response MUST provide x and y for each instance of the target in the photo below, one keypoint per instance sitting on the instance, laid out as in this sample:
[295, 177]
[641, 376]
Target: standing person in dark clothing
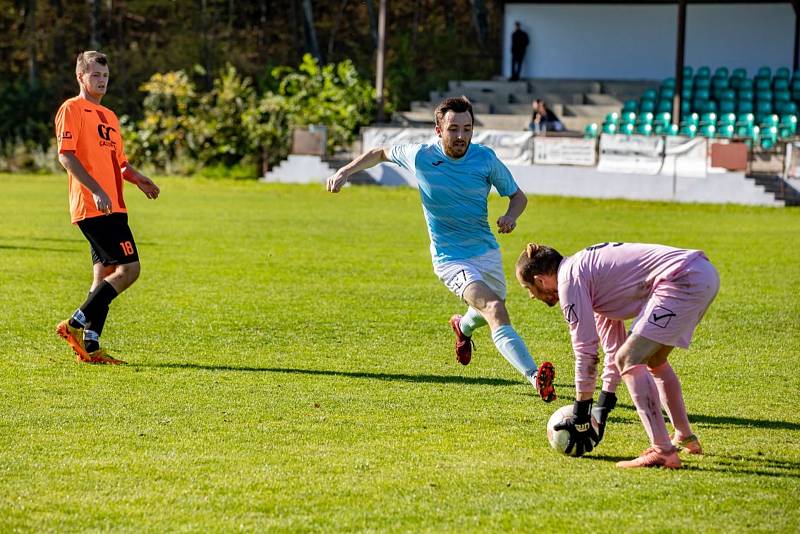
[519, 43]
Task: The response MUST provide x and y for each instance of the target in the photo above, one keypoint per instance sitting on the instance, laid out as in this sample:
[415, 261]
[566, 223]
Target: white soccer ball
[558, 438]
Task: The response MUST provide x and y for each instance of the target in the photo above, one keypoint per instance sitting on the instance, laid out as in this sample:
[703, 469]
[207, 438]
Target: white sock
[514, 350]
[470, 321]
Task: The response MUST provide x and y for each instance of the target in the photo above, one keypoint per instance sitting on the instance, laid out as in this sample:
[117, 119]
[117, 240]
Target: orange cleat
[544, 382]
[653, 458]
[101, 357]
[74, 338]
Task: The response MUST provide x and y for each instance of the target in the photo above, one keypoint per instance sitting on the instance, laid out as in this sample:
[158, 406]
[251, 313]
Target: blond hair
[88, 57]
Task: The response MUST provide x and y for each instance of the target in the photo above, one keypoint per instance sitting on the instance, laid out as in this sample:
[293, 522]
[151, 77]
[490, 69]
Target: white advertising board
[564, 151]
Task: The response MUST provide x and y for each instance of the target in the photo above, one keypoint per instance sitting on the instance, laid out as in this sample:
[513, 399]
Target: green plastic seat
[769, 137]
[749, 131]
[644, 129]
[591, 131]
[707, 130]
[781, 84]
[702, 94]
[627, 129]
[686, 107]
[687, 93]
[745, 118]
[781, 96]
[763, 107]
[630, 105]
[782, 73]
[764, 72]
[763, 84]
[687, 72]
[746, 94]
[721, 72]
[663, 117]
[691, 118]
[795, 85]
[790, 122]
[727, 106]
[668, 83]
[664, 106]
[726, 118]
[627, 117]
[763, 96]
[796, 95]
[703, 72]
[672, 129]
[786, 108]
[739, 73]
[646, 117]
[709, 106]
[702, 83]
[650, 94]
[666, 93]
[610, 127]
[726, 131]
[708, 118]
[647, 105]
[768, 121]
[727, 94]
[688, 130]
[612, 117]
[745, 106]
[745, 83]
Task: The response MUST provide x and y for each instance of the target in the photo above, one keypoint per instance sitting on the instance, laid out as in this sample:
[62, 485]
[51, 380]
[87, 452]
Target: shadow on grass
[38, 249]
[710, 420]
[391, 377]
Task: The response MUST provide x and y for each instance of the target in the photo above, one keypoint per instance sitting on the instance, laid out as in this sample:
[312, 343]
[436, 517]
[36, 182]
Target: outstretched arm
[516, 205]
[147, 186]
[364, 161]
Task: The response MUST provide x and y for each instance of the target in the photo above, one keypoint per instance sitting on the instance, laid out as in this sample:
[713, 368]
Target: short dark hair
[456, 104]
[537, 260]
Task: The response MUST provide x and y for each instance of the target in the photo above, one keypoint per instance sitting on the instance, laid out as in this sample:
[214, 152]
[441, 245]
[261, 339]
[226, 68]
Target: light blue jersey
[454, 193]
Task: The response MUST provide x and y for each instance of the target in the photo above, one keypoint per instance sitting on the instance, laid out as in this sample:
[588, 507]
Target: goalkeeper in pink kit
[666, 291]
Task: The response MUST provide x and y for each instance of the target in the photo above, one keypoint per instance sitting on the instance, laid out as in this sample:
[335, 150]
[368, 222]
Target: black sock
[98, 301]
[98, 321]
[91, 345]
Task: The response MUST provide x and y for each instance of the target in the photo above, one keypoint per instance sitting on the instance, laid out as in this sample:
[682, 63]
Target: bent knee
[130, 271]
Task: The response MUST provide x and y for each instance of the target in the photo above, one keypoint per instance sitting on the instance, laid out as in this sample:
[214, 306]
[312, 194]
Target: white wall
[628, 42]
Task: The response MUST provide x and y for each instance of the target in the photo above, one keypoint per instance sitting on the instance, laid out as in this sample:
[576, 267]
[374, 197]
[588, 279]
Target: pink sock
[644, 393]
[669, 389]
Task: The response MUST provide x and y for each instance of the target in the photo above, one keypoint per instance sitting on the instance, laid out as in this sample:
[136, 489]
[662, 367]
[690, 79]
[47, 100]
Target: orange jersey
[91, 131]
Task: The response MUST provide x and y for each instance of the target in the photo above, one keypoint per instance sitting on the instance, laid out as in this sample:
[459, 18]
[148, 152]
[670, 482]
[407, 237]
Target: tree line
[428, 43]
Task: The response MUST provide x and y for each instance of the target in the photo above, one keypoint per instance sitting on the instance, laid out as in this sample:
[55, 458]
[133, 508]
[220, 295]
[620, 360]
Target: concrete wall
[558, 180]
[614, 41]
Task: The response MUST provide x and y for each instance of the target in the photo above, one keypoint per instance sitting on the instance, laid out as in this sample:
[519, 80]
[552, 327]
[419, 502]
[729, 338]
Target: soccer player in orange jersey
[91, 150]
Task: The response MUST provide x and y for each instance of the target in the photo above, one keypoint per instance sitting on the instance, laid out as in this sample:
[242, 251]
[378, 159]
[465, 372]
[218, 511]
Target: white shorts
[486, 268]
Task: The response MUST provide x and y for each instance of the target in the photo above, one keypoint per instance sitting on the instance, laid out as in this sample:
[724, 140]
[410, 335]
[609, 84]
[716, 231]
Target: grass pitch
[291, 369]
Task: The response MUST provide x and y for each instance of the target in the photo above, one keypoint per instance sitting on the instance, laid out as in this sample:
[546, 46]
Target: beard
[456, 149]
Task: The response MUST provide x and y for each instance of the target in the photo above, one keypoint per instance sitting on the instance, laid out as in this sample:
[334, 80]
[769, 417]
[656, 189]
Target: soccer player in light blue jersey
[455, 178]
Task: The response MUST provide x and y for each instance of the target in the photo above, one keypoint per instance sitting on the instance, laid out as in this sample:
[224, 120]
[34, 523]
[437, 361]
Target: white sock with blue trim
[471, 320]
[514, 350]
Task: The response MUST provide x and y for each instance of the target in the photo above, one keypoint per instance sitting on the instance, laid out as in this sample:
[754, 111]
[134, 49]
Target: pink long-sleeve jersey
[600, 287]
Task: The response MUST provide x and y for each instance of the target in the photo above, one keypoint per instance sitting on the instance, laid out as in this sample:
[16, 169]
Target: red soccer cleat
[544, 382]
[464, 344]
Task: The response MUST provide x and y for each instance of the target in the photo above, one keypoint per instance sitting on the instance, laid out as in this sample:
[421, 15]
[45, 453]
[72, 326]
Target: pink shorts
[677, 305]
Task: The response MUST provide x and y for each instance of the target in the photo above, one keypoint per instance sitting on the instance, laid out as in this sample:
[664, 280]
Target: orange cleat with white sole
[101, 357]
[74, 337]
[690, 445]
[653, 458]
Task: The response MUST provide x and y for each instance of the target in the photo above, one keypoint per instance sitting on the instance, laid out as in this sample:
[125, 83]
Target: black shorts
[110, 239]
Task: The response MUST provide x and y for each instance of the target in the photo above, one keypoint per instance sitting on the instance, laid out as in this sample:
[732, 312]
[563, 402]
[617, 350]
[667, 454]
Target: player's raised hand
[148, 187]
[581, 433]
[335, 182]
[506, 224]
[102, 201]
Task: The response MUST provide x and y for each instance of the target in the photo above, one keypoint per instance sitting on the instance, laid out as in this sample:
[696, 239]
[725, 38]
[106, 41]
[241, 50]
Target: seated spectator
[543, 119]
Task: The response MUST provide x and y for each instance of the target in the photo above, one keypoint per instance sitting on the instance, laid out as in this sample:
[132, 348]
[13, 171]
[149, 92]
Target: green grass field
[291, 369]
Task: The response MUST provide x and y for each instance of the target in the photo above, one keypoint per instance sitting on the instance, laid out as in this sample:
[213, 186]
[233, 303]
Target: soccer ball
[558, 438]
